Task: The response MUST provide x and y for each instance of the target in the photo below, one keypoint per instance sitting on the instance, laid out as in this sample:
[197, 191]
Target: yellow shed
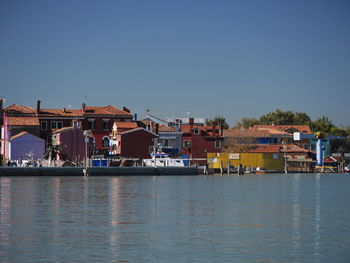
[269, 161]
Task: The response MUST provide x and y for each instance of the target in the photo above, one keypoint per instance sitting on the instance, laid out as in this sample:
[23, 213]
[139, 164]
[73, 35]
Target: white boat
[163, 159]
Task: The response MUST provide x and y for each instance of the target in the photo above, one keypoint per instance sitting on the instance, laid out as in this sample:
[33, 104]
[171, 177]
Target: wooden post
[205, 171]
[221, 167]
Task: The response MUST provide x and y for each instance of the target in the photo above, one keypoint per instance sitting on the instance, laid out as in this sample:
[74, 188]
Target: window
[91, 124]
[165, 142]
[44, 125]
[56, 124]
[187, 144]
[196, 131]
[105, 142]
[106, 124]
[217, 144]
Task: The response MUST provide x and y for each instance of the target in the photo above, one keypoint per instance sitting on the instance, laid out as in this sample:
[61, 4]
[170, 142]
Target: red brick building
[198, 140]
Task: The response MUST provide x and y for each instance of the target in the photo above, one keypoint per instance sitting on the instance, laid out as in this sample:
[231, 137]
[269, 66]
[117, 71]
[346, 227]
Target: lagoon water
[254, 218]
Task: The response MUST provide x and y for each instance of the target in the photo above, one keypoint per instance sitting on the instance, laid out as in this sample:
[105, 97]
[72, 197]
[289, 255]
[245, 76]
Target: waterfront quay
[96, 171]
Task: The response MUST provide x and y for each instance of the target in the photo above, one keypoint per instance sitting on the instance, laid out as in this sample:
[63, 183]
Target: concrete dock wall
[96, 171]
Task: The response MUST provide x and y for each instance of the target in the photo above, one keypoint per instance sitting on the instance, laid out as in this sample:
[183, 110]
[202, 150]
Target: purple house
[26, 146]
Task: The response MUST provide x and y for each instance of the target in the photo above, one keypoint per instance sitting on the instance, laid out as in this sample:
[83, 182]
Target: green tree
[322, 124]
[221, 121]
[278, 117]
[301, 118]
[338, 132]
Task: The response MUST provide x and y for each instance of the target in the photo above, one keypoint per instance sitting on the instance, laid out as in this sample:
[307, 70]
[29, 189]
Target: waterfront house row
[116, 132]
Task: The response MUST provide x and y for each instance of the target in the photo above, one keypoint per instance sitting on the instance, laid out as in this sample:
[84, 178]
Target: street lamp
[86, 135]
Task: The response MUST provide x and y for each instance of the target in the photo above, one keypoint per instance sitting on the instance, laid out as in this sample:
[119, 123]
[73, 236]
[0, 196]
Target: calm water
[270, 218]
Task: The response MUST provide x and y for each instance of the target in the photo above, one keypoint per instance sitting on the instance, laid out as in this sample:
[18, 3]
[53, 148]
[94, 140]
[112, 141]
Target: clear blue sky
[230, 58]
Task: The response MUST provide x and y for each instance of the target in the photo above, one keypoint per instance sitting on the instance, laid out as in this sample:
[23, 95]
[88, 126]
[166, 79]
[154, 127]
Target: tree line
[278, 117]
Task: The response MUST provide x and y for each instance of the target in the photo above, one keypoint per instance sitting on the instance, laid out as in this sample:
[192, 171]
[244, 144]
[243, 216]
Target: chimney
[64, 110]
[38, 106]
[135, 117]
[74, 124]
[83, 107]
[157, 128]
[213, 128]
[191, 121]
[126, 109]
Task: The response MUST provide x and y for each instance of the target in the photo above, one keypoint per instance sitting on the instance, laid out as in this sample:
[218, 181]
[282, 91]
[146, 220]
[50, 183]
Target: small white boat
[163, 159]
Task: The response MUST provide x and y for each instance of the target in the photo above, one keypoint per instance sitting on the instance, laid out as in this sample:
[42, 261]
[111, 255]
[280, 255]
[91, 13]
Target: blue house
[170, 139]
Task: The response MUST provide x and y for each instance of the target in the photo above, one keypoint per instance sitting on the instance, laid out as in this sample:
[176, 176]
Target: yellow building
[269, 161]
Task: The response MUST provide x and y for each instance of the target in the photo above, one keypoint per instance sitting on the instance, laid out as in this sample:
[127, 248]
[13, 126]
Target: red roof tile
[23, 121]
[126, 124]
[163, 128]
[262, 148]
[267, 148]
[291, 148]
[245, 133]
[187, 128]
[285, 128]
[107, 110]
[60, 112]
[16, 108]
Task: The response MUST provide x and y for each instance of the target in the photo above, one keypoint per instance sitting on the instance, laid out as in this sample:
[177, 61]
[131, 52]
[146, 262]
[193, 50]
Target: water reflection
[317, 215]
[5, 192]
[296, 216]
[173, 219]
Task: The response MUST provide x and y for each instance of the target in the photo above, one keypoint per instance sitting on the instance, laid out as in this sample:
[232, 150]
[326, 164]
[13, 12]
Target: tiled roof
[126, 124]
[262, 148]
[107, 110]
[18, 135]
[267, 148]
[299, 128]
[273, 131]
[89, 110]
[246, 133]
[24, 133]
[163, 128]
[60, 112]
[137, 129]
[23, 121]
[291, 148]
[187, 128]
[20, 109]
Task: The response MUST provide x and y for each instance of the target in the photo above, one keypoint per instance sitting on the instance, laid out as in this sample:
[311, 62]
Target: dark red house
[198, 140]
[135, 143]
